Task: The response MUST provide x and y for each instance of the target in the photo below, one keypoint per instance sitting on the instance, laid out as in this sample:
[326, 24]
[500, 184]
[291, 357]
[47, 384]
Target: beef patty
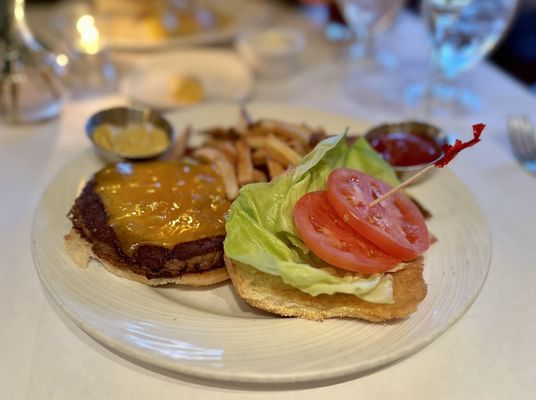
[90, 219]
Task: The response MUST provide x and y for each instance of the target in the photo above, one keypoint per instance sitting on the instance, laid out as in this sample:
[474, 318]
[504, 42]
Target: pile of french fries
[251, 151]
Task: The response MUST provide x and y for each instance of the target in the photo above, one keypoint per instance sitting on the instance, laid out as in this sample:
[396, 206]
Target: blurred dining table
[490, 353]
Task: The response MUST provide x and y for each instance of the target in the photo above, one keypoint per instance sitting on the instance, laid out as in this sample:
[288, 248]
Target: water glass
[463, 32]
[362, 16]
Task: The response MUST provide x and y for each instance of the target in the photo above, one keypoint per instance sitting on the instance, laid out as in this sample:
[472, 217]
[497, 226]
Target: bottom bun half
[270, 293]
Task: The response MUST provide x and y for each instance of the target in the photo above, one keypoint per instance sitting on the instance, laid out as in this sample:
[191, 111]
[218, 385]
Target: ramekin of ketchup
[407, 146]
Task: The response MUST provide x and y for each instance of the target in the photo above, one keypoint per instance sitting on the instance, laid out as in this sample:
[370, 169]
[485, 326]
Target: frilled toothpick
[449, 153]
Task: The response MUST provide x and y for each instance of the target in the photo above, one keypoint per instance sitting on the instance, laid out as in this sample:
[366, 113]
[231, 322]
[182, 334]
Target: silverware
[523, 141]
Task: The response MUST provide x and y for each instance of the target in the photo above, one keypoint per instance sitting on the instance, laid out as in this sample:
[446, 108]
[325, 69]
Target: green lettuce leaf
[261, 232]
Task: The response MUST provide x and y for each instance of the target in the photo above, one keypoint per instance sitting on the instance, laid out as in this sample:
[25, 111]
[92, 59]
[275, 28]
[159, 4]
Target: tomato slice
[395, 224]
[333, 241]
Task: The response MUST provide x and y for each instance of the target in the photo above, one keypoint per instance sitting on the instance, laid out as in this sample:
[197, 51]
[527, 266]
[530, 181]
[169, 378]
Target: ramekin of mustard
[129, 133]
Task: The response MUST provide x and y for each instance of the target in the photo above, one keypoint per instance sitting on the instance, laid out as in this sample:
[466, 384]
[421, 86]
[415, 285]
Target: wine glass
[463, 32]
[362, 16]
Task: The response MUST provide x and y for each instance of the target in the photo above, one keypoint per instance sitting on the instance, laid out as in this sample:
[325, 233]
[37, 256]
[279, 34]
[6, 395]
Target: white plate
[222, 74]
[211, 334]
[246, 14]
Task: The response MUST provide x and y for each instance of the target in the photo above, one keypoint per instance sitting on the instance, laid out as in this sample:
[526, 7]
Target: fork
[523, 141]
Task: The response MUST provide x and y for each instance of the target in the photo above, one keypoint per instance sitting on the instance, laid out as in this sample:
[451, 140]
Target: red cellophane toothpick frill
[449, 153]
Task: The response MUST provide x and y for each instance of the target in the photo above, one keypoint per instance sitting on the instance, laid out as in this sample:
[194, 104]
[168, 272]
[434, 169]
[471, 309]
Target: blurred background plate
[221, 74]
[163, 24]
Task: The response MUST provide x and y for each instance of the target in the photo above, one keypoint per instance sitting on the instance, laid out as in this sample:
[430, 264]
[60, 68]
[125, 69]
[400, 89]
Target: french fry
[224, 146]
[255, 151]
[316, 138]
[255, 131]
[256, 142]
[291, 131]
[274, 168]
[277, 146]
[223, 166]
[258, 157]
[320, 130]
[244, 165]
[180, 146]
[259, 176]
[221, 133]
[300, 147]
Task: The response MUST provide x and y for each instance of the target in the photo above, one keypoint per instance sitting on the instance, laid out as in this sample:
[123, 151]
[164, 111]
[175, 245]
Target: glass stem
[7, 37]
[13, 27]
[363, 46]
[7, 19]
[441, 83]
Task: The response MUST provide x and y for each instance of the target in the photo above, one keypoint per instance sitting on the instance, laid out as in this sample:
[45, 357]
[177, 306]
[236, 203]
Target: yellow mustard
[132, 140]
[162, 203]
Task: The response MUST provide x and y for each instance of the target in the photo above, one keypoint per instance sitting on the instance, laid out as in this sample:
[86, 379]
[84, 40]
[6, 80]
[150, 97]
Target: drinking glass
[90, 68]
[463, 32]
[362, 16]
[31, 88]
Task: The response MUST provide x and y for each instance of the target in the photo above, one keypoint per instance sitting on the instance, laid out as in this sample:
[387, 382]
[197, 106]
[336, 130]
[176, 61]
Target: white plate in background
[222, 74]
[245, 14]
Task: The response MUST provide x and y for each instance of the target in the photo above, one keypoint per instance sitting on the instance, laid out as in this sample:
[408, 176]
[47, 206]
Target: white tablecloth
[489, 354]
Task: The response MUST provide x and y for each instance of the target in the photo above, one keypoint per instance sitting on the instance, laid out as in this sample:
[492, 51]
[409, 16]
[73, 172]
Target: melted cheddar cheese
[162, 203]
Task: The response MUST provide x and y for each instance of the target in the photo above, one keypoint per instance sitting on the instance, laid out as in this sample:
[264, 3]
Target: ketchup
[404, 149]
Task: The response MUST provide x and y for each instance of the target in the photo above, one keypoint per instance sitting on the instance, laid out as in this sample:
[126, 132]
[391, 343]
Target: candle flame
[89, 34]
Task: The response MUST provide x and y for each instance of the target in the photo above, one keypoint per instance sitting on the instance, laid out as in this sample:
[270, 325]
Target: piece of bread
[81, 252]
[270, 293]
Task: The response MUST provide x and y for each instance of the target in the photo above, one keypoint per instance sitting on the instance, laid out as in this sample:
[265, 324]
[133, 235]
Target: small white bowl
[272, 52]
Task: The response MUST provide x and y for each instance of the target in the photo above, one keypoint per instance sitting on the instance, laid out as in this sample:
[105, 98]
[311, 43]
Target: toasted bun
[81, 253]
[270, 293]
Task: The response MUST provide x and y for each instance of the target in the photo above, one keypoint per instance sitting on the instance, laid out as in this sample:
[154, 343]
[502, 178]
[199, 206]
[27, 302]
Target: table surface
[489, 354]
